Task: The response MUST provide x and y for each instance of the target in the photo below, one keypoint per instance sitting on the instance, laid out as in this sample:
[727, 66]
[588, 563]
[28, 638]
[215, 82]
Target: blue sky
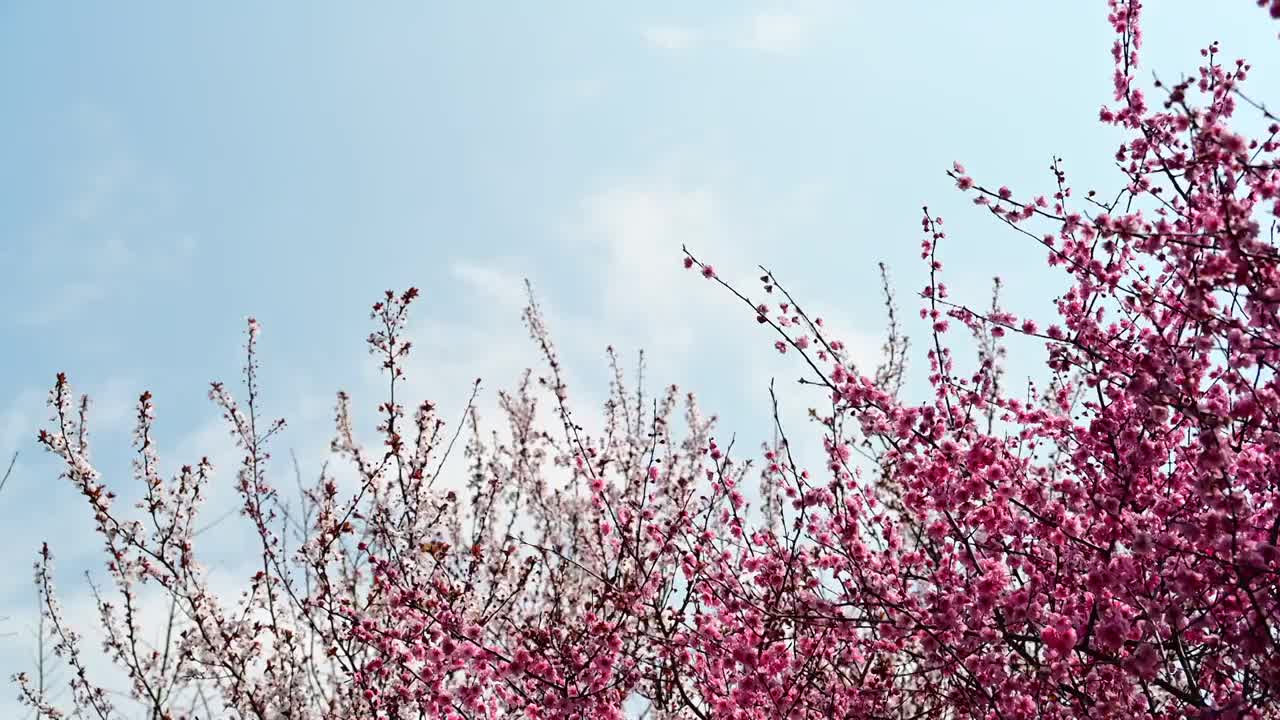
[169, 170]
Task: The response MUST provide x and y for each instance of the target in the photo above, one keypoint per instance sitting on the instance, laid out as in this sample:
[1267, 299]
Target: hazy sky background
[167, 171]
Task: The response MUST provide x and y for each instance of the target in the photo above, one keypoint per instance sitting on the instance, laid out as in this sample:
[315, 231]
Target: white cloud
[781, 28]
[115, 210]
[636, 230]
[63, 303]
[671, 37]
[18, 422]
[778, 32]
[497, 284]
[112, 405]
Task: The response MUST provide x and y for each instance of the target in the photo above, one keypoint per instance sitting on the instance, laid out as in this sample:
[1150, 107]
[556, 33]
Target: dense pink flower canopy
[1103, 545]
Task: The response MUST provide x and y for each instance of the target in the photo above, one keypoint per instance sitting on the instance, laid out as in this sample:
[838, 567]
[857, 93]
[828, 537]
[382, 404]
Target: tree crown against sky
[1102, 545]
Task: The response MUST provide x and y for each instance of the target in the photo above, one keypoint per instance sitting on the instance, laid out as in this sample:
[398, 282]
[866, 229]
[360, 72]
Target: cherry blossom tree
[1100, 545]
